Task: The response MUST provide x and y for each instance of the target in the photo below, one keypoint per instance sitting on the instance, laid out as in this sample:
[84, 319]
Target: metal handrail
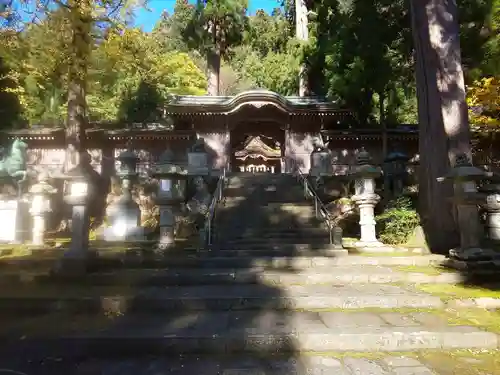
[216, 198]
[319, 207]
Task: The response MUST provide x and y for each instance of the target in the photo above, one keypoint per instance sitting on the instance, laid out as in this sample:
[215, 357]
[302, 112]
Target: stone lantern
[82, 188]
[40, 207]
[464, 176]
[171, 194]
[364, 175]
[198, 159]
[321, 162]
[492, 207]
[395, 172]
[124, 214]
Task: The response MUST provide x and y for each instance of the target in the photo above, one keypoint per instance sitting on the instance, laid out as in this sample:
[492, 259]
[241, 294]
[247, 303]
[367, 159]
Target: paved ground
[313, 365]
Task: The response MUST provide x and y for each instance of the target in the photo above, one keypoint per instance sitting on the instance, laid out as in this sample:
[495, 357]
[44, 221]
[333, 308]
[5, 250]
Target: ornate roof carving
[255, 98]
[254, 147]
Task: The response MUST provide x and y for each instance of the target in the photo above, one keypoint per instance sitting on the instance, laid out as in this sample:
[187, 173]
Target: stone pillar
[40, 207]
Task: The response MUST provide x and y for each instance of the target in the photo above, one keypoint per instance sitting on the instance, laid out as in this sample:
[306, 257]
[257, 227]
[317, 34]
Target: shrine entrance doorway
[257, 147]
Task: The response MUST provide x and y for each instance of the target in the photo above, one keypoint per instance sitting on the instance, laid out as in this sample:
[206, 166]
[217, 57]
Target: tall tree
[170, 27]
[442, 113]
[83, 16]
[216, 27]
[302, 34]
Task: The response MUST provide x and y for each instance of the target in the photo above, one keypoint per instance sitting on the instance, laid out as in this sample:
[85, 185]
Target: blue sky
[147, 19]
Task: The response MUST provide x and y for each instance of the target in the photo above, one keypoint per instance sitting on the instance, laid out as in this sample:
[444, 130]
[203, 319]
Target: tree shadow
[234, 320]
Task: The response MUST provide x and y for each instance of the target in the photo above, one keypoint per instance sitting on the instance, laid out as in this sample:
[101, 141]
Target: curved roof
[256, 98]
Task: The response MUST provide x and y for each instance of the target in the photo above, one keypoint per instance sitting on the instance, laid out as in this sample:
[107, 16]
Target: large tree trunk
[80, 16]
[302, 33]
[383, 123]
[213, 73]
[442, 112]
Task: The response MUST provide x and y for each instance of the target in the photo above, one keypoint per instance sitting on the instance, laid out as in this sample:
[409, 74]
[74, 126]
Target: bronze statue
[13, 168]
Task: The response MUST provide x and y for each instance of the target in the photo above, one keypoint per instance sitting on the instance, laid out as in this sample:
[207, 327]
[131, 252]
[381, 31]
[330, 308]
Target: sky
[147, 19]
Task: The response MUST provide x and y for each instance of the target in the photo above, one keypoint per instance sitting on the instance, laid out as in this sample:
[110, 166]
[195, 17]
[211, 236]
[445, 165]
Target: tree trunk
[302, 34]
[442, 112]
[213, 72]
[381, 99]
[80, 16]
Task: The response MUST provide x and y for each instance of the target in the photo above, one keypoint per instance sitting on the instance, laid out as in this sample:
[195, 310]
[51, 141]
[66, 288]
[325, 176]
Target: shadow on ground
[176, 324]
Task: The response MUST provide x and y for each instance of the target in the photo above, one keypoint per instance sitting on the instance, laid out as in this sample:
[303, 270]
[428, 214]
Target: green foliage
[216, 26]
[398, 221]
[132, 77]
[276, 71]
[360, 53]
[169, 30]
[130, 74]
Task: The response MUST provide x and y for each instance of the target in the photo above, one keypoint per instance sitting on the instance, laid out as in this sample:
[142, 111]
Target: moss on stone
[463, 362]
[455, 291]
[427, 270]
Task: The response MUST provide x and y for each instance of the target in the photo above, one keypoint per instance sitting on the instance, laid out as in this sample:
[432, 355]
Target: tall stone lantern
[171, 195]
[40, 207]
[124, 214]
[464, 176]
[82, 189]
[364, 174]
[321, 162]
[492, 207]
[395, 172]
[199, 171]
[198, 159]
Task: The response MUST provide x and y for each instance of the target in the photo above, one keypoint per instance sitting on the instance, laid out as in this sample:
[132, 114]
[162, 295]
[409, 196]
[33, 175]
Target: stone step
[314, 247]
[229, 259]
[73, 299]
[286, 364]
[338, 275]
[284, 239]
[260, 233]
[261, 332]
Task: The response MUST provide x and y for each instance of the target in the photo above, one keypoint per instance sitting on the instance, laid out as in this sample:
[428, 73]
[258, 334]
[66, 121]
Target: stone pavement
[310, 365]
[237, 309]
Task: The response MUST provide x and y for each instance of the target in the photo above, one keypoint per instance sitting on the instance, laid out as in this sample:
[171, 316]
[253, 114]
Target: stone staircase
[269, 297]
[268, 215]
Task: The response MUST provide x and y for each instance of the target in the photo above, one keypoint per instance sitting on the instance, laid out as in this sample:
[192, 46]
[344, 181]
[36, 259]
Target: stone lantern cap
[199, 146]
[43, 187]
[364, 167]
[168, 166]
[464, 171]
[128, 160]
[82, 172]
[128, 156]
[397, 156]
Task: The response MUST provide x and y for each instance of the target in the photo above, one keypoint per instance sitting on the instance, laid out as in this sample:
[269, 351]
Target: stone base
[136, 234]
[373, 247]
[474, 254]
[74, 265]
[335, 251]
